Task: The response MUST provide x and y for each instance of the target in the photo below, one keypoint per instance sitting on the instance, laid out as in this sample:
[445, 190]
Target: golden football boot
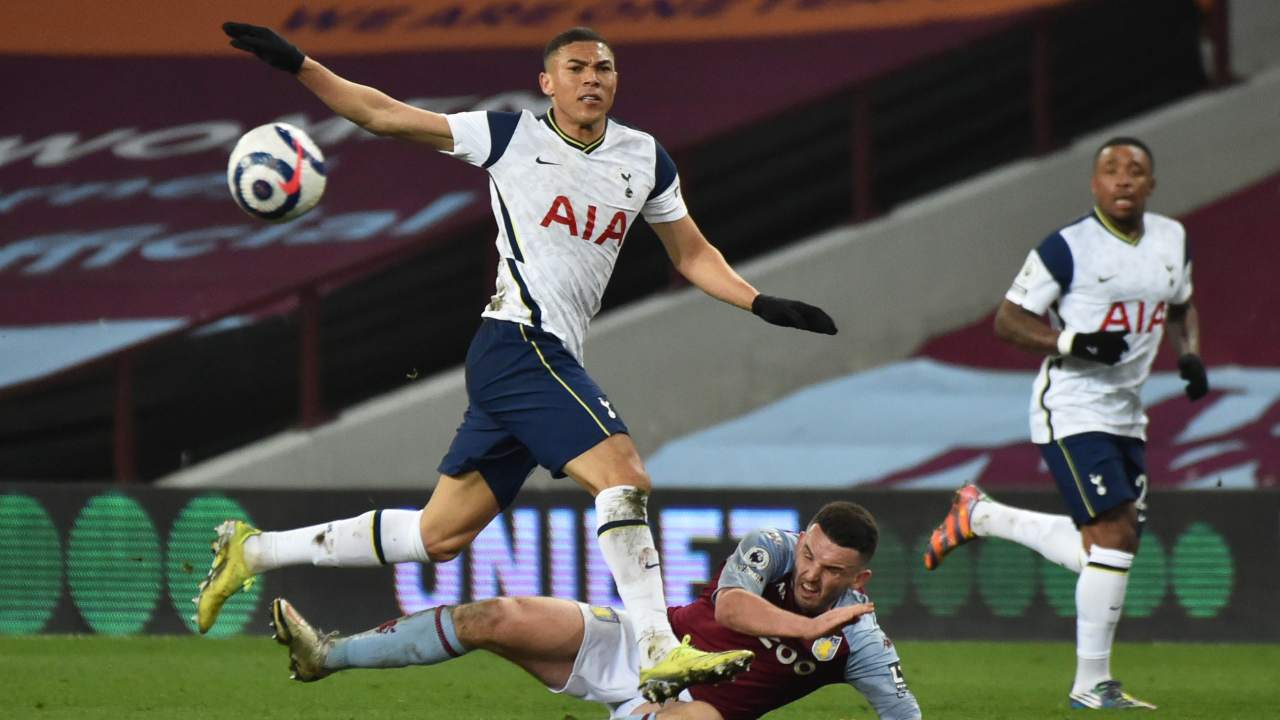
[685, 665]
[229, 573]
[308, 647]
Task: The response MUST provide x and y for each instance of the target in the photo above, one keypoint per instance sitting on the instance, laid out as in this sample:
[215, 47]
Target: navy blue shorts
[531, 403]
[1097, 471]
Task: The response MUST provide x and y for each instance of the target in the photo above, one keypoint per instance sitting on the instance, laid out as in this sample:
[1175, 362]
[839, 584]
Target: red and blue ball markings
[291, 184]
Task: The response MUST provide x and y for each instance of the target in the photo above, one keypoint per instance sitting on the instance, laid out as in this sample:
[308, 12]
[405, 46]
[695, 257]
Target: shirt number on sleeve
[899, 680]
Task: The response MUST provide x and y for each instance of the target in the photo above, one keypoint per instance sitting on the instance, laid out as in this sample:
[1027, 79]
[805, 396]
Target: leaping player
[566, 186]
[795, 598]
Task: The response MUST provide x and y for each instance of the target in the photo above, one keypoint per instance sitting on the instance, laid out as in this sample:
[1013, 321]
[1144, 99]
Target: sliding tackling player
[796, 599]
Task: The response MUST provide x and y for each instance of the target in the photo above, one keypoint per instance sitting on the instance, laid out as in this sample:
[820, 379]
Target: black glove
[268, 46]
[1191, 369]
[1104, 346]
[792, 313]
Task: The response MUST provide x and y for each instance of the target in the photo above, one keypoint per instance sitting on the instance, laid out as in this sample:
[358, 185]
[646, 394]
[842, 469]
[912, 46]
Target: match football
[276, 172]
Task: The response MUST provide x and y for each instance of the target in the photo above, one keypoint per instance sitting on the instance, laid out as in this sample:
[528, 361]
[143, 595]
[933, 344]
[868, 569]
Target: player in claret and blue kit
[565, 188]
[1114, 283]
[795, 599]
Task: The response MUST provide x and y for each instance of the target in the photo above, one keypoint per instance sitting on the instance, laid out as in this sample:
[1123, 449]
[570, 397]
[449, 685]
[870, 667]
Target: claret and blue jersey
[785, 669]
[563, 210]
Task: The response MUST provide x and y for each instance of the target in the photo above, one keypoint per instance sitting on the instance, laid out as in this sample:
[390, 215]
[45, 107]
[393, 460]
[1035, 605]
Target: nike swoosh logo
[295, 182]
[540, 161]
[651, 566]
[1104, 279]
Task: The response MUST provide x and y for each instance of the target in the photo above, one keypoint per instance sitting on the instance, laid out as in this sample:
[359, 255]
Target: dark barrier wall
[93, 559]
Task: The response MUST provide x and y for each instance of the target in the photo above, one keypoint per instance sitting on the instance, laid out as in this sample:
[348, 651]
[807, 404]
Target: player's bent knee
[1116, 529]
[633, 477]
[439, 556]
[1126, 539]
[441, 550]
[483, 624]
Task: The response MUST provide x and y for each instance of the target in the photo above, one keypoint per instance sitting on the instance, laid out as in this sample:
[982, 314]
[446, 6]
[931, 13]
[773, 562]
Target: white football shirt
[563, 210]
[1090, 277]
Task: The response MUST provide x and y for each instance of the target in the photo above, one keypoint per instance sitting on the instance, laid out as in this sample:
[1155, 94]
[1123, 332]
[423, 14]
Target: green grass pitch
[186, 678]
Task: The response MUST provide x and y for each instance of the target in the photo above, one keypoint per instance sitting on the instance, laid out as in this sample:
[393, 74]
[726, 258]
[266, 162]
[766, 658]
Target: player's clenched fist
[266, 44]
[1104, 346]
[793, 313]
[1191, 369]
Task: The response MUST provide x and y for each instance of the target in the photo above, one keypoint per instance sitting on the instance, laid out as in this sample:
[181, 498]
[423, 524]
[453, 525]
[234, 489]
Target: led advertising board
[99, 559]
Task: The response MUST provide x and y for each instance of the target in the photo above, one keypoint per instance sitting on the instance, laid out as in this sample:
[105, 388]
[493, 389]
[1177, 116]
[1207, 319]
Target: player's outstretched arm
[748, 613]
[365, 106]
[704, 266]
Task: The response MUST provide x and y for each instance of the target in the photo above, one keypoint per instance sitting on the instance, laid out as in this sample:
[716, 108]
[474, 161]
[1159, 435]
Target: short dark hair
[1127, 140]
[848, 525]
[573, 35]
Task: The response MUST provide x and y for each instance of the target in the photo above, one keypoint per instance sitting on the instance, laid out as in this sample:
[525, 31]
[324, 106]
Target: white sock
[342, 543]
[626, 542]
[1053, 536]
[1099, 603]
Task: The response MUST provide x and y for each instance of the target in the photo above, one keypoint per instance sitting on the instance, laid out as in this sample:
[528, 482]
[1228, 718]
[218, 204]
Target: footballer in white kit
[566, 188]
[1091, 278]
[564, 210]
[1113, 283]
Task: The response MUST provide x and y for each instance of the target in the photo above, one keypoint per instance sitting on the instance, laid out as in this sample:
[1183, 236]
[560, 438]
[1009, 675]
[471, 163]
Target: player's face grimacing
[824, 570]
[580, 79]
[1122, 182]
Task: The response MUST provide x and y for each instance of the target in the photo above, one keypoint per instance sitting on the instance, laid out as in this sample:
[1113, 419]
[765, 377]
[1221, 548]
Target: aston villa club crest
[825, 648]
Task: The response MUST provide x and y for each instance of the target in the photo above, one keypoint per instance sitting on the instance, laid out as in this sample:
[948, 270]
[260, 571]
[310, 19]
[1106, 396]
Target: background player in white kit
[1111, 282]
[565, 187]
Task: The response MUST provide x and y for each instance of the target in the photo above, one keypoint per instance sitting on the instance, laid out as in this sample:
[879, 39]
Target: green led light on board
[113, 564]
[1148, 578]
[30, 565]
[888, 586]
[189, 561]
[1006, 577]
[1059, 588]
[1203, 571]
